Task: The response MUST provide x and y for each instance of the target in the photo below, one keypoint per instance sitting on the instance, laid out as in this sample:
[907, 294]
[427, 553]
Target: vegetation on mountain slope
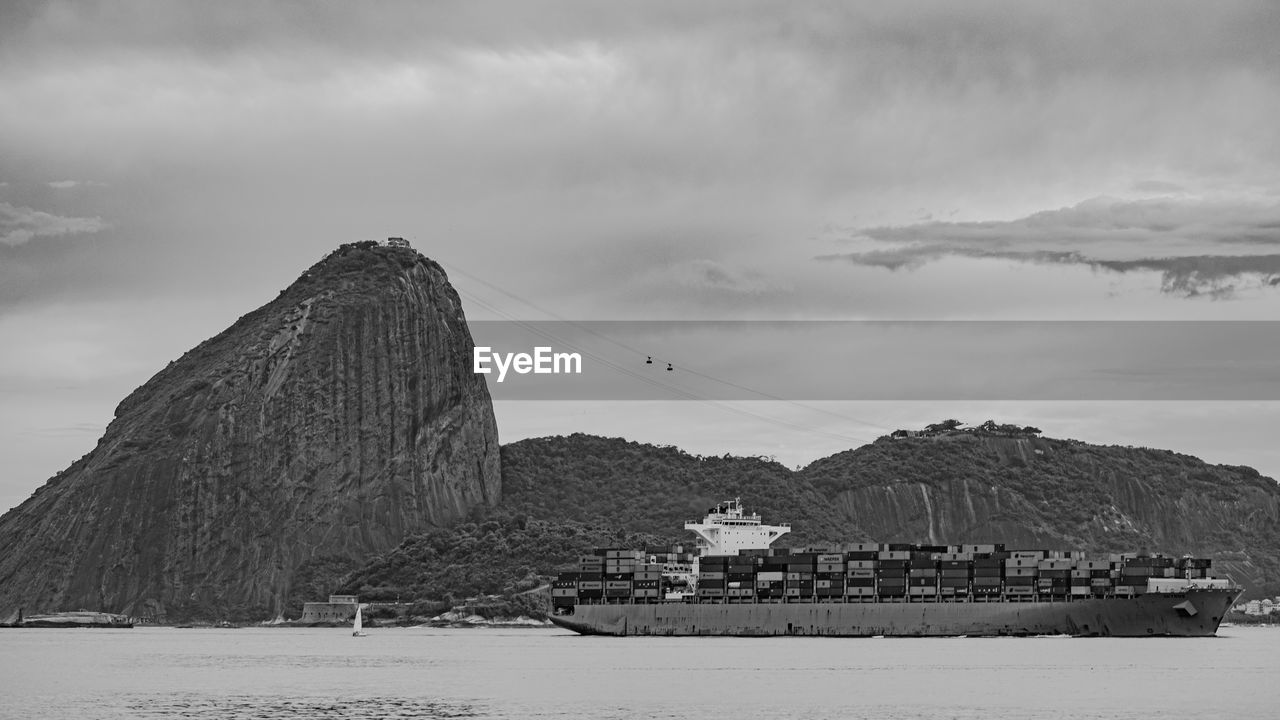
[564, 495]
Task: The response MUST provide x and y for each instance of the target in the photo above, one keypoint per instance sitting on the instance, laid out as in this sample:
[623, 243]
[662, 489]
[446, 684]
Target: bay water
[151, 672]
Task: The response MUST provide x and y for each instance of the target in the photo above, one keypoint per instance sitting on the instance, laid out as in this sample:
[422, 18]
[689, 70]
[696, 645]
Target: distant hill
[1041, 492]
[945, 487]
[645, 488]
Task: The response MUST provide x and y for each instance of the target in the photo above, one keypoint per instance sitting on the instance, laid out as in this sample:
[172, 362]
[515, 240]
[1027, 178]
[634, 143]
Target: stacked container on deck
[771, 575]
[872, 572]
[800, 569]
[860, 571]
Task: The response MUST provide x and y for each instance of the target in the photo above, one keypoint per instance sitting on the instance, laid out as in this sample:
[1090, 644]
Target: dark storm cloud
[1213, 276]
[1182, 240]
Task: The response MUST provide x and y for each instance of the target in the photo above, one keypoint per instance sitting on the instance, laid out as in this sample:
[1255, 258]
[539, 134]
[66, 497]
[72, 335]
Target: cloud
[1201, 248]
[1205, 275]
[73, 430]
[18, 225]
[63, 184]
[1158, 186]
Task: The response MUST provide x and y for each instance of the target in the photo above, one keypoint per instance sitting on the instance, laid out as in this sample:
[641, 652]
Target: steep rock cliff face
[1038, 492]
[333, 421]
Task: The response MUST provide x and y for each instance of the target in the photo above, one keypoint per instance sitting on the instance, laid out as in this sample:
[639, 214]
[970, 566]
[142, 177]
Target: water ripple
[236, 707]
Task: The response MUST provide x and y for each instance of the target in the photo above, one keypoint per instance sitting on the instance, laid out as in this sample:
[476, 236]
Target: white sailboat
[358, 625]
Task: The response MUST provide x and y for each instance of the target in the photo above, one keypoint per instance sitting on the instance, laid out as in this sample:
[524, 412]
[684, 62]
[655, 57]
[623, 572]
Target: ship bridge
[727, 528]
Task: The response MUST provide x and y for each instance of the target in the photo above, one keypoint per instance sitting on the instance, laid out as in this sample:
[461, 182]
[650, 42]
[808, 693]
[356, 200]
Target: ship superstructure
[742, 586]
[727, 529]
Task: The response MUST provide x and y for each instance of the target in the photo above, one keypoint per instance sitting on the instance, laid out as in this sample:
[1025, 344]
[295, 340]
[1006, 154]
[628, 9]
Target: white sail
[359, 622]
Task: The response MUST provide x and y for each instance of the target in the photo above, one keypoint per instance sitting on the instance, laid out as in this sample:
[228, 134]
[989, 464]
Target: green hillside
[564, 495]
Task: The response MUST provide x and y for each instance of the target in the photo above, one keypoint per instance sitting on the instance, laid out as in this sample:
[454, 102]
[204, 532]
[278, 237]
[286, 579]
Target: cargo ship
[734, 583]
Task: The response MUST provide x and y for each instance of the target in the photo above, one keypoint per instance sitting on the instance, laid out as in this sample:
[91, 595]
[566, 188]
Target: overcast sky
[166, 167]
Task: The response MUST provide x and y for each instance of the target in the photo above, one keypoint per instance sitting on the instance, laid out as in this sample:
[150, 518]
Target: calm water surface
[492, 673]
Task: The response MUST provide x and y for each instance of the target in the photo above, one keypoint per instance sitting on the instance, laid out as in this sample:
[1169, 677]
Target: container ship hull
[1195, 613]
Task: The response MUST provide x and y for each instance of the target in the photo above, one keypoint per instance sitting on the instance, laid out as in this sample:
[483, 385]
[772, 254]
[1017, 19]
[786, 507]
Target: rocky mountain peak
[330, 422]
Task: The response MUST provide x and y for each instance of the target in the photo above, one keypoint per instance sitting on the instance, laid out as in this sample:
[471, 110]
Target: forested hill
[949, 487]
[563, 496]
[646, 488]
[1030, 491]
